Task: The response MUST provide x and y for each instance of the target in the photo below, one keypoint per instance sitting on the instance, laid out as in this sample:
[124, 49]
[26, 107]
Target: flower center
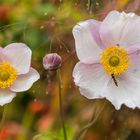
[7, 75]
[4, 75]
[115, 60]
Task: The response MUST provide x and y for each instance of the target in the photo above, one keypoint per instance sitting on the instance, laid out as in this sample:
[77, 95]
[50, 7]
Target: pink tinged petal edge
[18, 55]
[6, 96]
[126, 93]
[115, 28]
[25, 81]
[91, 79]
[87, 49]
[107, 29]
[134, 64]
[131, 32]
[95, 26]
[134, 49]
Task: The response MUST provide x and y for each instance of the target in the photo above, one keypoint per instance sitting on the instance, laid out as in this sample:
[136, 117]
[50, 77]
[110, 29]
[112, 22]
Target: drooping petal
[87, 41]
[6, 96]
[116, 29]
[25, 81]
[127, 91]
[91, 78]
[18, 55]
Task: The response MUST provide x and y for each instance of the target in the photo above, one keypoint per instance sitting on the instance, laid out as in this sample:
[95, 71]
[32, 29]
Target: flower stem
[3, 116]
[88, 4]
[60, 104]
[80, 135]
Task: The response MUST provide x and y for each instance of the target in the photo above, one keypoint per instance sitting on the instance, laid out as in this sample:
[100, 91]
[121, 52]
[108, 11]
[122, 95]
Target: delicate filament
[115, 60]
[7, 75]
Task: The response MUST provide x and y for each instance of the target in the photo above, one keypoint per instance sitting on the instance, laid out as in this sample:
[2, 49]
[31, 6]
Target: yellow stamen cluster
[7, 75]
[115, 60]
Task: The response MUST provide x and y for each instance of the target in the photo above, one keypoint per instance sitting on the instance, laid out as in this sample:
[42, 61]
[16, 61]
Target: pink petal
[6, 96]
[95, 26]
[25, 81]
[19, 55]
[135, 64]
[117, 28]
[134, 49]
[126, 93]
[131, 32]
[91, 78]
[87, 48]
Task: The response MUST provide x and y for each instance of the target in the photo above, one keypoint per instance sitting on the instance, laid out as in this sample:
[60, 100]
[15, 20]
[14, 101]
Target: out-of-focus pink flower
[16, 73]
[11, 130]
[36, 106]
[109, 58]
[45, 122]
[52, 61]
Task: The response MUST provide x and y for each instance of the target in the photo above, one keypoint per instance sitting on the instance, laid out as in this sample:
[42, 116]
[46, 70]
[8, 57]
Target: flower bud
[52, 61]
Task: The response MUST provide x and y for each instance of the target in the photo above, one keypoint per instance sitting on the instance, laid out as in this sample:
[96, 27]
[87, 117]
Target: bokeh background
[46, 26]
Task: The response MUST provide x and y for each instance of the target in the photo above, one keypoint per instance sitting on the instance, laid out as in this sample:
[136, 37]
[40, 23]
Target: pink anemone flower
[109, 65]
[16, 73]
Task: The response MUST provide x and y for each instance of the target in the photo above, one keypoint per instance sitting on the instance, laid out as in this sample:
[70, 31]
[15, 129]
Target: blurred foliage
[46, 26]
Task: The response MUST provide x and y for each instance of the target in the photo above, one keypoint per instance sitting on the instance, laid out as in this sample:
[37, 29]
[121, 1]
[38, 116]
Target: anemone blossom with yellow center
[16, 73]
[109, 65]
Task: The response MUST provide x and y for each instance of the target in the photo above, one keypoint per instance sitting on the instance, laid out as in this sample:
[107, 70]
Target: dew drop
[62, 86]
[112, 121]
[47, 92]
[33, 91]
[75, 4]
[45, 14]
[60, 46]
[97, 3]
[35, 100]
[42, 27]
[69, 86]
[53, 18]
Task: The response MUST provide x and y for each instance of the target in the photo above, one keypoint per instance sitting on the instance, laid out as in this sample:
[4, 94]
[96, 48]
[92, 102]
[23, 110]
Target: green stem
[3, 116]
[60, 104]
[51, 46]
[89, 4]
[83, 130]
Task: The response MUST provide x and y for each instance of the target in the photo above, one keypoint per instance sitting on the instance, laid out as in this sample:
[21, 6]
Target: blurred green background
[46, 26]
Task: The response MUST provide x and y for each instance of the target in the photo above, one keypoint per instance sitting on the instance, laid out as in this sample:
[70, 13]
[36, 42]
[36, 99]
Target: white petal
[116, 29]
[25, 81]
[86, 47]
[134, 64]
[126, 93]
[19, 55]
[91, 79]
[6, 96]
[131, 32]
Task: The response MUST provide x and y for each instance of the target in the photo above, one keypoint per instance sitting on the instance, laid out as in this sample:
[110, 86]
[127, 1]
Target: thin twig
[93, 120]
